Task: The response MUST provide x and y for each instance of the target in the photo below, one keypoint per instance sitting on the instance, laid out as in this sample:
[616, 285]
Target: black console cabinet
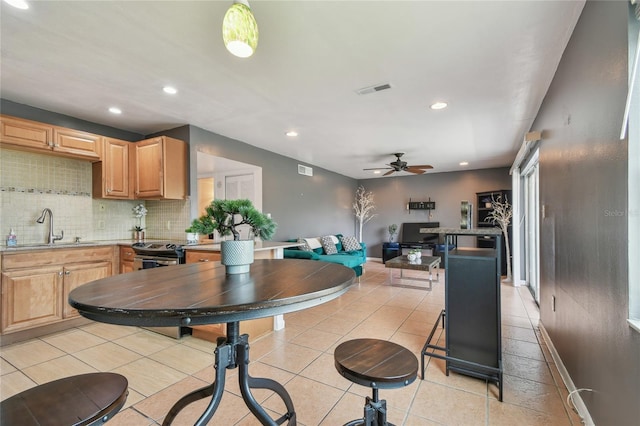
[390, 250]
[472, 312]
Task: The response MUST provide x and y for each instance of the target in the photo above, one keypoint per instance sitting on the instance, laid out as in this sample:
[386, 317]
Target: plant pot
[138, 235]
[237, 256]
[192, 238]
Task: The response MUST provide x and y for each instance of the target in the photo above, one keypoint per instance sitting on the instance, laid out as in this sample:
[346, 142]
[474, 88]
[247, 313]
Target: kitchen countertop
[259, 246]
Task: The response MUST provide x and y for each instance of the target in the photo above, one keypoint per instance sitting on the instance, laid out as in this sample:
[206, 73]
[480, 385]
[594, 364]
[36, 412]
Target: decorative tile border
[45, 191]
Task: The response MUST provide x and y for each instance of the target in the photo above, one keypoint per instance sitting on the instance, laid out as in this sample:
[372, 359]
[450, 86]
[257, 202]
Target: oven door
[148, 262]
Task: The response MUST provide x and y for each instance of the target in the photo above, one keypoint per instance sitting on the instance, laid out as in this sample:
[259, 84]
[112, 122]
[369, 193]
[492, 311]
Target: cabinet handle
[67, 272]
[203, 260]
[60, 273]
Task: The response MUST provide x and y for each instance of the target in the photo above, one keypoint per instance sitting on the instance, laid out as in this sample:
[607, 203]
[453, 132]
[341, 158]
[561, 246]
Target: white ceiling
[491, 61]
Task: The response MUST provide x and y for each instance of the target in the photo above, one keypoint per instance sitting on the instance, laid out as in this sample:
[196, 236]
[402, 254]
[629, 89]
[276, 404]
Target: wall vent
[304, 170]
[373, 89]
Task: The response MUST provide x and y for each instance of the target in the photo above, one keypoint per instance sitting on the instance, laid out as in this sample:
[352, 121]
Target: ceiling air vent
[373, 89]
[304, 170]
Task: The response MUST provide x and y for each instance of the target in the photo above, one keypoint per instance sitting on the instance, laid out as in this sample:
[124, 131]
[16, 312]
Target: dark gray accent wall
[301, 205]
[27, 112]
[583, 190]
[448, 190]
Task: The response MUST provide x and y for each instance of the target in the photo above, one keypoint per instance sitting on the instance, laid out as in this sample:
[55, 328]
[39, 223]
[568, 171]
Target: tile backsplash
[30, 182]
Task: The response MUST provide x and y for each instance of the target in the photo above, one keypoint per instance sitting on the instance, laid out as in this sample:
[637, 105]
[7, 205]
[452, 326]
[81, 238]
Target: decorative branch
[363, 207]
[501, 214]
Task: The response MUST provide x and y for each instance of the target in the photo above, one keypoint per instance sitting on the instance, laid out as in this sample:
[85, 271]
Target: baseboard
[576, 399]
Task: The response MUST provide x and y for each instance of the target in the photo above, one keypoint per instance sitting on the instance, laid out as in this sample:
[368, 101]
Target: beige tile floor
[161, 369]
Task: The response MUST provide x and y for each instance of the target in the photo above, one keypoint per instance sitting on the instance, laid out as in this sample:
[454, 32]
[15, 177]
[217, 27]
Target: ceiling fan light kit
[402, 166]
[240, 30]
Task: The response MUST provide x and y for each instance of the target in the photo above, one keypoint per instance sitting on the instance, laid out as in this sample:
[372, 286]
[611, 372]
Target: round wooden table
[202, 293]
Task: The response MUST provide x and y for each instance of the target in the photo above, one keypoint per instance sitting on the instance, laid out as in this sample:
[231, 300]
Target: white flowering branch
[501, 214]
[363, 206]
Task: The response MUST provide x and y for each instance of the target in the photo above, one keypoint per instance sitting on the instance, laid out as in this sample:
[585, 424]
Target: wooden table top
[201, 293]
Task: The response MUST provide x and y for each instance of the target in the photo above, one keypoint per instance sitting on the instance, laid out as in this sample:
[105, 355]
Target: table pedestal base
[231, 352]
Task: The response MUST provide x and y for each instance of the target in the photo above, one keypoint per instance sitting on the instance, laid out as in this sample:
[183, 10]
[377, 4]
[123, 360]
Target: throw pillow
[303, 245]
[350, 244]
[328, 245]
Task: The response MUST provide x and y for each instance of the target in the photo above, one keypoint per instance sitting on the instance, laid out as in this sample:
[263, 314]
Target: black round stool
[378, 364]
[86, 399]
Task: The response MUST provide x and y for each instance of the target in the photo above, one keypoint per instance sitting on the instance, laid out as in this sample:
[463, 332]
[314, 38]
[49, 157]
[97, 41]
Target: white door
[241, 187]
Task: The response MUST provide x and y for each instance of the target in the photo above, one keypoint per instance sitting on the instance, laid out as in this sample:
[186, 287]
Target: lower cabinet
[126, 259]
[31, 298]
[36, 286]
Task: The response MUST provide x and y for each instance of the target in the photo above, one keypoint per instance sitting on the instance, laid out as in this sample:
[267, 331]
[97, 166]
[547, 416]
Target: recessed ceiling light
[18, 4]
[170, 90]
[464, 163]
[292, 133]
[115, 110]
[377, 172]
[439, 105]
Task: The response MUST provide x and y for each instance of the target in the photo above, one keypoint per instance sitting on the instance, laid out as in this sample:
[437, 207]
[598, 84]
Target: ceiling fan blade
[389, 172]
[424, 166]
[379, 168]
[414, 170]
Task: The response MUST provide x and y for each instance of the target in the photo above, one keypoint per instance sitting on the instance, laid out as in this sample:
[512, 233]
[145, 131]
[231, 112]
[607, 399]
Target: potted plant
[393, 230]
[225, 216]
[139, 212]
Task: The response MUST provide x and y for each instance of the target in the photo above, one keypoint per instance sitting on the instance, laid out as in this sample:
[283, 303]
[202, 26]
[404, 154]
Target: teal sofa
[352, 259]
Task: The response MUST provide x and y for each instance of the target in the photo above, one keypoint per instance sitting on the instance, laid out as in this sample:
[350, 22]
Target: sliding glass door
[530, 186]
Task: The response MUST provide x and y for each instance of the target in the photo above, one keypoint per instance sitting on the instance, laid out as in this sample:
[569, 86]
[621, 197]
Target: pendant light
[240, 29]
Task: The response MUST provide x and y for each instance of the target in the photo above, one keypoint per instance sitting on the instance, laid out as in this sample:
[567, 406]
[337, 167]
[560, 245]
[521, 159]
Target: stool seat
[86, 399]
[376, 363]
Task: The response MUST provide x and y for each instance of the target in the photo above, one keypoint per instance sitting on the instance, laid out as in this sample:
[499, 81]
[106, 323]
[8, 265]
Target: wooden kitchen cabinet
[126, 259]
[75, 143]
[160, 169]
[77, 274]
[26, 134]
[111, 175]
[36, 284]
[31, 298]
[41, 137]
[194, 256]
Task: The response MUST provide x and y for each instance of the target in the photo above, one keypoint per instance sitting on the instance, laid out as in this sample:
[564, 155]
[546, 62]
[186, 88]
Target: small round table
[202, 293]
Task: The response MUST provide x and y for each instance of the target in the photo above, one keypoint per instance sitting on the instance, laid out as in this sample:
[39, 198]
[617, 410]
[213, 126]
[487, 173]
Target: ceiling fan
[401, 166]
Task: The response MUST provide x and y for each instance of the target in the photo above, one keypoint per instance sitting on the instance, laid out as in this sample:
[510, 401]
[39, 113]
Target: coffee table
[425, 263]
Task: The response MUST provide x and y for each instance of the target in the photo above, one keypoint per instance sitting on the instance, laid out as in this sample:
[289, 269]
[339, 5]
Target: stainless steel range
[155, 255]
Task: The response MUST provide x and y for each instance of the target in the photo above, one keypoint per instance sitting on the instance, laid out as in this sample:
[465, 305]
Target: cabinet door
[76, 275]
[31, 298]
[194, 256]
[76, 143]
[25, 133]
[126, 259]
[149, 168]
[111, 175]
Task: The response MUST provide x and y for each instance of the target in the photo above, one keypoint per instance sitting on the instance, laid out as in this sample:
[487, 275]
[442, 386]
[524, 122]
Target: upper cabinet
[77, 144]
[160, 169]
[40, 137]
[111, 175]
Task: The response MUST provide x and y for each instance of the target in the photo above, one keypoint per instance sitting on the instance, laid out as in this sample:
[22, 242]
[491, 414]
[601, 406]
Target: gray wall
[301, 205]
[583, 177]
[391, 195]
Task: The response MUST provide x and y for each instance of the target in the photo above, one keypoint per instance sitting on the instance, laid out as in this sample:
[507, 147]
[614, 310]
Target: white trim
[578, 403]
[635, 324]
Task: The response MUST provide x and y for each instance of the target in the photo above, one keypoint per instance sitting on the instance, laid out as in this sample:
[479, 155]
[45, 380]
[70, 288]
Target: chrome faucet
[52, 237]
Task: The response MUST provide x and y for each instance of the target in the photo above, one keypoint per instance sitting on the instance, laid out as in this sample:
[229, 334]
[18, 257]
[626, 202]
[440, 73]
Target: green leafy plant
[393, 230]
[225, 216]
